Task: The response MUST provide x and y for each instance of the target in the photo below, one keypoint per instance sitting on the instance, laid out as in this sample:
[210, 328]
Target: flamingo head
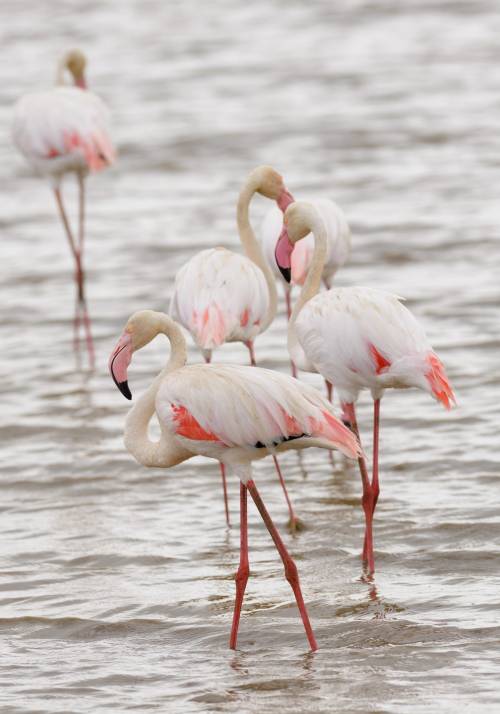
[295, 227]
[269, 183]
[140, 329]
[75, 62]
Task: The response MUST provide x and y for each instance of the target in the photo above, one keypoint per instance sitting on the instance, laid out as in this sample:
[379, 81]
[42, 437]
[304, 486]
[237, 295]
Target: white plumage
[248, 411]
[362, 338]
[220, 296]
[63, 129]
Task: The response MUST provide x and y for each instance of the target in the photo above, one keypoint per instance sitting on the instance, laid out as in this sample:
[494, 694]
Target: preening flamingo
[221, 296]
[65, 130]
[357, 338]
[338, 248]
[230, 413]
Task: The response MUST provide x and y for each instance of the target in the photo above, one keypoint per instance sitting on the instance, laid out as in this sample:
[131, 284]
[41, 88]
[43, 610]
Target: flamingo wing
[365, 338]
[61, 122]
[220, 296]
[247, 407]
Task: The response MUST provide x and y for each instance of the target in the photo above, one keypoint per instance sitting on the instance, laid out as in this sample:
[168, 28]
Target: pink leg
[294, 522]
[367, 499]
[291, 573]
[249, 345]
[243, 571]
[224, 488]
[79, 274]
[208, 357]
[288, 300]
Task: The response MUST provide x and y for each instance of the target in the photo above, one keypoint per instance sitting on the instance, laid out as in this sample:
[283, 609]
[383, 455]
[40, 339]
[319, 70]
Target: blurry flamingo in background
[230, 413]
[358, 338]
[65, 130]
[221, 296]
[338, 248]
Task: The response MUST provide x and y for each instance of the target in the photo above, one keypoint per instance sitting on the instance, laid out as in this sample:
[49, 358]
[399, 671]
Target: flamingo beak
[284, 199]
[283, 254]
[119, 362]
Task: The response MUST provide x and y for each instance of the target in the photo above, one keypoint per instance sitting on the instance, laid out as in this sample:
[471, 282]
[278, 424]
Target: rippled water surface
[116, 582]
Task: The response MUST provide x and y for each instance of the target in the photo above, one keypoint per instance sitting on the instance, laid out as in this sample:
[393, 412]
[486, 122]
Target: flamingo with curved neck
[357, 338]
[221, 296]
[230, 413]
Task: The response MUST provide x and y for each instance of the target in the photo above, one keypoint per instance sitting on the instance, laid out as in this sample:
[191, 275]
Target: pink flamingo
[230, 413]
[221, 296]
[357, 338]
[64, 130]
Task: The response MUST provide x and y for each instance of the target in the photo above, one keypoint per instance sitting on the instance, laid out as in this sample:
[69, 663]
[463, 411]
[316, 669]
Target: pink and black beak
[283, 254]
[119, 362]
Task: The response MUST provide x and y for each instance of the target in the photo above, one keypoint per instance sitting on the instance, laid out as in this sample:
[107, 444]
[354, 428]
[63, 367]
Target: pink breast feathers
[187, 426]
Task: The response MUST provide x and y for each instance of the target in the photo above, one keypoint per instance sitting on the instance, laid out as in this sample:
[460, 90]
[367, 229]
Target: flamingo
[221, 296]
[338, 246]
[64, 130]
[358, 338]
[235, 414]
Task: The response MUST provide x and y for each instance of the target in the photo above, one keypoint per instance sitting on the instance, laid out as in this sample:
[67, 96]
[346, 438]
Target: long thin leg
[241, 577]
[288, 300]
[81, 235]
[291, 573]
[81, 213]
[79, 278]
[224, 488]
[367, 498]
[249, 346]
[294, 522]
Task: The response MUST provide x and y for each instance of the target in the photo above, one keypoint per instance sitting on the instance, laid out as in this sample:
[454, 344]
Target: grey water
[116, 582]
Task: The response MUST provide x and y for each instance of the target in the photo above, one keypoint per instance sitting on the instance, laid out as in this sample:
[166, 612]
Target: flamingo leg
[249, 346]
[224, 489]
[242, 573]
[294, 522]
[288, 300]
[81, 311]
[367, 498]
[291, 572]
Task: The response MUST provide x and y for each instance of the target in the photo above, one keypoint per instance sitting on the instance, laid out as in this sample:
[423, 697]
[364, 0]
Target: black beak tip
[286, 273]
[124, 389]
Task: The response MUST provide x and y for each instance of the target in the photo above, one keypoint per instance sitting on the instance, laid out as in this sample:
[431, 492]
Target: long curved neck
[313, 281]
[254, 251]
[165, 452]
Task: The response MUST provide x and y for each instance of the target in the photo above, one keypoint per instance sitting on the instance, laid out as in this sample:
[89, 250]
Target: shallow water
[116, 581]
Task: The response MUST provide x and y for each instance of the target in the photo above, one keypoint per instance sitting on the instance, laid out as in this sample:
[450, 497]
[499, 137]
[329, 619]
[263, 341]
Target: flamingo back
[213, 408]
[362, 338]
[63, 129]
[220, 296]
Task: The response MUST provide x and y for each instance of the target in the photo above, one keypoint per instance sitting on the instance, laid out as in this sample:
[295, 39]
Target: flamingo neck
[312, 284]
[253, 250]
[165, 452]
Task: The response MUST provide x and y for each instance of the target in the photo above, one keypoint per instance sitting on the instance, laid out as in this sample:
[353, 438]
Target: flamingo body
[239, 414]
[62, 130]
[220, 296]
[363, 338]
[338, 237]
